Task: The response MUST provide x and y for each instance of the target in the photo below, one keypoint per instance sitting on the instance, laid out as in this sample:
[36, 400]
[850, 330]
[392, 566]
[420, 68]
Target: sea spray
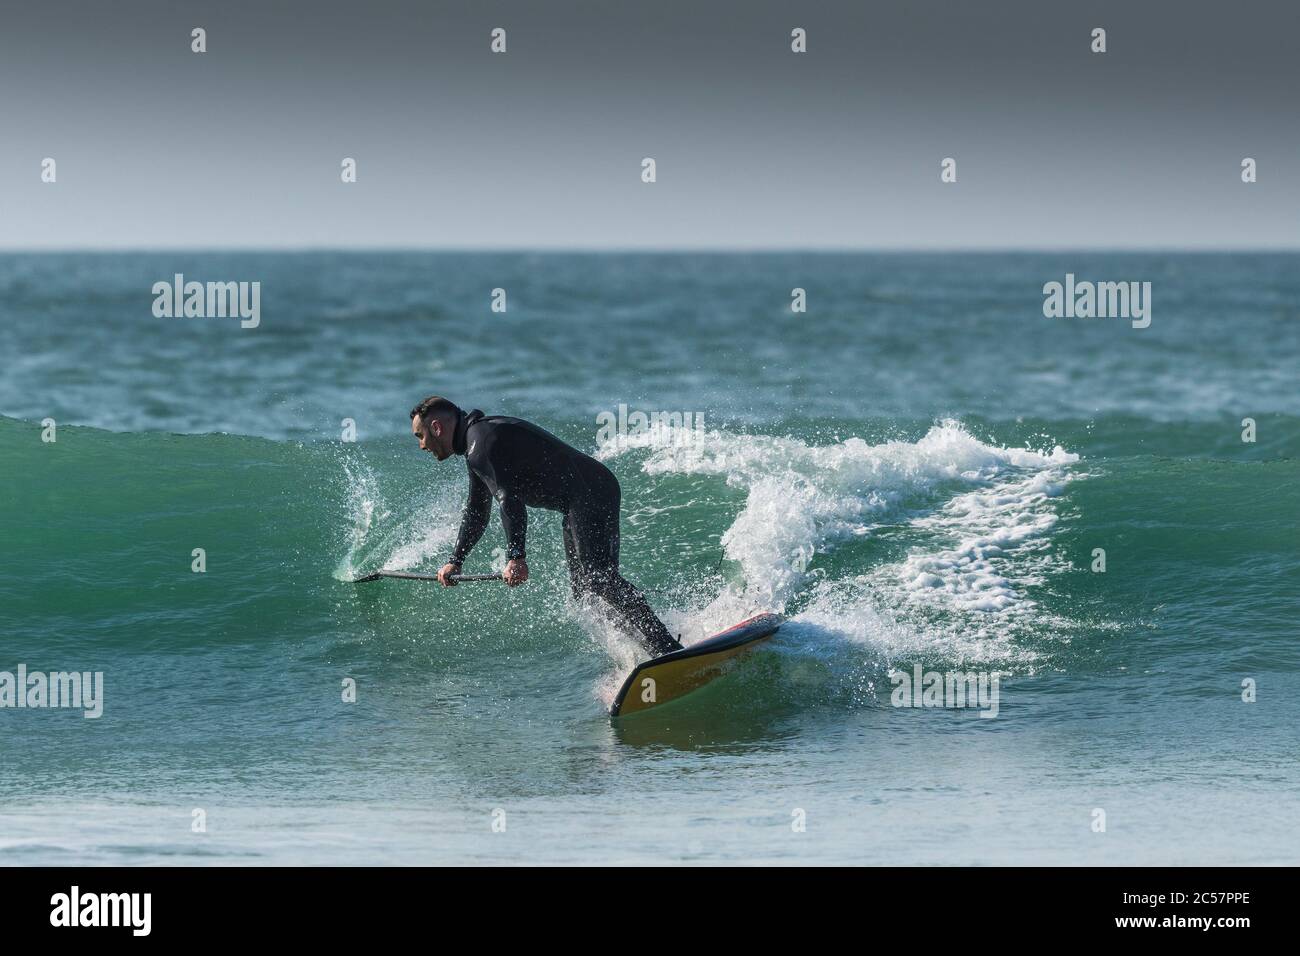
[804, 500]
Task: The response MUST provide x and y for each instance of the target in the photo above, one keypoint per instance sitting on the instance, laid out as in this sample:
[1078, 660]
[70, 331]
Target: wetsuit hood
[458, 438]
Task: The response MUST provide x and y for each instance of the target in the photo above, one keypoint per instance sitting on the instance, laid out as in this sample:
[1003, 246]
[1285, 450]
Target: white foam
[393, 545]
[431, 542]
[365, 505]
[990, 527]
[802, 501]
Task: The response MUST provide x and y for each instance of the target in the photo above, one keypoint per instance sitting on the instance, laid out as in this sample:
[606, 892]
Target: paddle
[407, 576]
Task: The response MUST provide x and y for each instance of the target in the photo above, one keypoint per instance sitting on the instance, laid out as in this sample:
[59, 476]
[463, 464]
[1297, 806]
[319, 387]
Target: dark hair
[434, 405]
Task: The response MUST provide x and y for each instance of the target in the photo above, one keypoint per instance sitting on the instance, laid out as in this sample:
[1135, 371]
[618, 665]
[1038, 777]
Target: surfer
[523, 467]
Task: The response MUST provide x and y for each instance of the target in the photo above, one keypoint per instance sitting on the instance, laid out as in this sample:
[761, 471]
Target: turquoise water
[916, 471]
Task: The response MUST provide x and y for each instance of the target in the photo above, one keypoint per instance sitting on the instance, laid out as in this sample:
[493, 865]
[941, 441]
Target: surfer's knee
[610, 586]
[613, 588]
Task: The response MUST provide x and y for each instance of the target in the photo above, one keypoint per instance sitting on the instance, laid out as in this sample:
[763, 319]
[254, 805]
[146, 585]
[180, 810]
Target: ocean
[922, 471]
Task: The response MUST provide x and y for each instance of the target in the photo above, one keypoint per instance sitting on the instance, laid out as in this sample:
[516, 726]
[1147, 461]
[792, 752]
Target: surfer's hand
[444, 576]
[516, 572]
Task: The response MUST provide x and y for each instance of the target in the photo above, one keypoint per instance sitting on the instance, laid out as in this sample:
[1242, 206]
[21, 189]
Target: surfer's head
[433, 423]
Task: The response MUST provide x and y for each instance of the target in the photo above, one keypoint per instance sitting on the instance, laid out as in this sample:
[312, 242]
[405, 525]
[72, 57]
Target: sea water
[921, 471]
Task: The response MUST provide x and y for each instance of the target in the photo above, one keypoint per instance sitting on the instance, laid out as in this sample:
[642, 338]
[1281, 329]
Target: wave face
[948, 546]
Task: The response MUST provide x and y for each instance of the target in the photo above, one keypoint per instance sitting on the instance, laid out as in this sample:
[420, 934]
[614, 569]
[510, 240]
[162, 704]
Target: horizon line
[653, 250]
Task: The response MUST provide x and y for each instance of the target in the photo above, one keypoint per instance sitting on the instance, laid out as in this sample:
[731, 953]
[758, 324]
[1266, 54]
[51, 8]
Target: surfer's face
[434, 436]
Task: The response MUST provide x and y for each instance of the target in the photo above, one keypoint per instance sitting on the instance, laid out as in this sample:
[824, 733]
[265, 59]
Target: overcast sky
[756, 146]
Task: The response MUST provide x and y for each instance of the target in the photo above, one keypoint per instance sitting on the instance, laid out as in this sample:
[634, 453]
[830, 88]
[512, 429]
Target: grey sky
[756, 146]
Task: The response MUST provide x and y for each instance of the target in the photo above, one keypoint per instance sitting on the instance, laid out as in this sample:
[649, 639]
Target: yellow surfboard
[662, 679]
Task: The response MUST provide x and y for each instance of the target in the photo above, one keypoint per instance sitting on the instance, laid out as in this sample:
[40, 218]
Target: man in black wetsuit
[523, 467]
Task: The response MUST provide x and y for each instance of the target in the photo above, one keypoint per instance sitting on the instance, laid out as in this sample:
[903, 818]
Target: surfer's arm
[474, 519]
[496, 462]
[514, 521]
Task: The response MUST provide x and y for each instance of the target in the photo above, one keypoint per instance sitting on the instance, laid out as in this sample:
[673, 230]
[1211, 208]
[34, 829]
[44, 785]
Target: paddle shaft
[408, 576]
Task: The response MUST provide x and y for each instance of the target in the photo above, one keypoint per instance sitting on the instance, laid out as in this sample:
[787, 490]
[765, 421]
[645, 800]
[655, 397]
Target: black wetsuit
[523, 467]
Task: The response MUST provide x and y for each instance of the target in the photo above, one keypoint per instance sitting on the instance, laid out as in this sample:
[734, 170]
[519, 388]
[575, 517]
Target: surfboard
[657, 681]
